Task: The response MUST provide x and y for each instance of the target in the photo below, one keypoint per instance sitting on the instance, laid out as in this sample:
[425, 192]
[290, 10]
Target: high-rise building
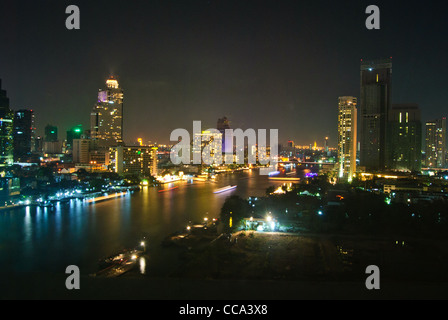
[405, 137]
[106, 119]
[23, 134]
[205, 146]
[6, 130]
[227, 144]
[51, 133]
[436, 148]
[75, 132]
[81, 150]
[139, 160]
[375, 100]
[347, 137]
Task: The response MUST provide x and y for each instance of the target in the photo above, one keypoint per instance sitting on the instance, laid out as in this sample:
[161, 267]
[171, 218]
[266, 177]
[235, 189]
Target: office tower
[51, 133]
[222, 125]
[75, 132]
[106, 119]
[140, 160]
[347, 137]
[81, 150]
[405, 137]
[23, 134]
[206, 148]
[6, 130]
[376, 80]
[436, 148]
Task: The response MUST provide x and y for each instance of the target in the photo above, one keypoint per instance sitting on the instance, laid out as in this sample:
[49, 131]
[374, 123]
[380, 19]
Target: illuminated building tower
[347, 137]
[23, 134]
[6, 130]
[140, 160]
[106, 119]
[436, 148]
[376, 80]
[405, 137]
[204, 148]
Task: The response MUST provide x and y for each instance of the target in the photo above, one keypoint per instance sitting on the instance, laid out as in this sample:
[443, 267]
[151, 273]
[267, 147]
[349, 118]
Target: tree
[234, 209]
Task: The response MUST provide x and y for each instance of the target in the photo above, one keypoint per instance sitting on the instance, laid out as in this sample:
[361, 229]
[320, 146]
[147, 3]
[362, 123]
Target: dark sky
[263, 64]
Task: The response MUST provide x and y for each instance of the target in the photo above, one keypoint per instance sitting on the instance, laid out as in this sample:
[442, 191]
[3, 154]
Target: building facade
[405, 138]
[81, 149]
[375, 100]
[106, 119]
[347, 137]
[23, 134]
[51, 133]
[6, 130]
[138, 160]
[436, 147]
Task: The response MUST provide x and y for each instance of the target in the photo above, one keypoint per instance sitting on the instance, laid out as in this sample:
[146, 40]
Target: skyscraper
[51, 133]
[6, 130]
[72, 134]
[347, 136]
[106, 120]
[405, 137]
[222, 125]
[376, 81]
[436, 148]
[23, 134]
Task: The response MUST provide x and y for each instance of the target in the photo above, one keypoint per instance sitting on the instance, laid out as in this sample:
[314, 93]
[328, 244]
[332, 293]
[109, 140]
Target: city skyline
[223, 149]
[178, 72]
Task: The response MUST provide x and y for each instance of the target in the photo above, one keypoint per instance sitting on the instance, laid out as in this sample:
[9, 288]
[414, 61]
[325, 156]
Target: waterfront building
[139, 160]
[347, 137]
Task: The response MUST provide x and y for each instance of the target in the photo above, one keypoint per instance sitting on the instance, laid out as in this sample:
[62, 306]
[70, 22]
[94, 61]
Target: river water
[47, 240]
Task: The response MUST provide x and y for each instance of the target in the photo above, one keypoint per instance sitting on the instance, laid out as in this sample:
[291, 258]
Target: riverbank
[308, 257]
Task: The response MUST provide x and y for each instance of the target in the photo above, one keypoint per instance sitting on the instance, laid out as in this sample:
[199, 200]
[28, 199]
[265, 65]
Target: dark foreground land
[249, 265]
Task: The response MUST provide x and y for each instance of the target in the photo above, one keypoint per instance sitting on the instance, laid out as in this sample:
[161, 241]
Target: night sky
[263, 64]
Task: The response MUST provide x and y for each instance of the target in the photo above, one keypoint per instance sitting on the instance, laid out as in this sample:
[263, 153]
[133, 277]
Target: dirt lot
[280, 256]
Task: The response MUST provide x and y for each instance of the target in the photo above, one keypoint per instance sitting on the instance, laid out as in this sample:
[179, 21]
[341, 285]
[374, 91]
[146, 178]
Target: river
[35, 239]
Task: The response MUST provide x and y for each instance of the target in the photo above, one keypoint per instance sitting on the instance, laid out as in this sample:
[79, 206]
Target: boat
[118, 264]
[224, 189]
[121, 262]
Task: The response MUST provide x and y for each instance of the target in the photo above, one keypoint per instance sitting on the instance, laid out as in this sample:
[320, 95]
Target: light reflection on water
[75, 232]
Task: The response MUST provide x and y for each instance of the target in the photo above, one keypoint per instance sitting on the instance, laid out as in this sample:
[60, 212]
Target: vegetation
[344, 209]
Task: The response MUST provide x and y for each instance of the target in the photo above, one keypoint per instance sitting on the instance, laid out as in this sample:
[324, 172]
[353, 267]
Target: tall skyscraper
[347, 137]
[376, 81]
[405, 137]
[23, 134]
[222, 125]
[6, 130]
[106, 120]
[436, 148]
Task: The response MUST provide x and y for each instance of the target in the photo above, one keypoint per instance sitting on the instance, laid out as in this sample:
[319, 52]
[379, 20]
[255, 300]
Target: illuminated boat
[224, 189]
